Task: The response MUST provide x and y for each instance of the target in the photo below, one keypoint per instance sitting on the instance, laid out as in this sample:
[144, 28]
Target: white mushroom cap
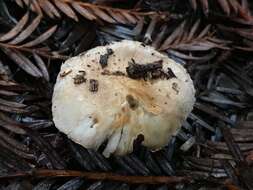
[98, 98]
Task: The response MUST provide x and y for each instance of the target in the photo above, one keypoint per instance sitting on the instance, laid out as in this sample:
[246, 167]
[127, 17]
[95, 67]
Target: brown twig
[232, 145]
[100, 176]
[37, 51]
[135, 12]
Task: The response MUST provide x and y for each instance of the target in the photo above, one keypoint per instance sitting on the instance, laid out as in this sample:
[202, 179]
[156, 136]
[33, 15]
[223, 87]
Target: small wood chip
[115, 73]
[65, 73]
[104, 58]
[171, 73]
[148, 71]
[142, 71]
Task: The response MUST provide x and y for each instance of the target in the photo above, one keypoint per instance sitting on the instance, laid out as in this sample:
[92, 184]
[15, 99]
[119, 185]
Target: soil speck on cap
[95, 120]
[78, 79]
[118, 73]
[133, 103]
[83, 72]
[105, 72]
[175, 87]
[93, 85]
[104, 58]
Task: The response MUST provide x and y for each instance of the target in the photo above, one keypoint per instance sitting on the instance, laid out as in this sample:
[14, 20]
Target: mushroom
[112, 94]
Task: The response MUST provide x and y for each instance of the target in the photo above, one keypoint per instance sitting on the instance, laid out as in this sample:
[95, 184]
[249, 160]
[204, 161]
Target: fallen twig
[40, 173]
